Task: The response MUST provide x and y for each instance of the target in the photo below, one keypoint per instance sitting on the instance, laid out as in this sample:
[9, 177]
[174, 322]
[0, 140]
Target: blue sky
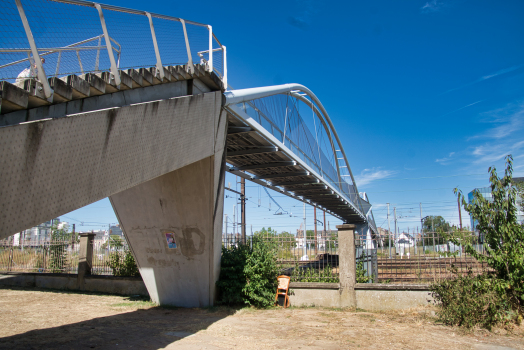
[426, 95]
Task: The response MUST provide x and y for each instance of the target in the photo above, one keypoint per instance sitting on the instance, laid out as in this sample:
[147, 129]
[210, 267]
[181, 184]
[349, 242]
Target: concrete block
[12, 98]
[383, 300]
[80, 87]
[135, 77]
[182, 71]
[125, 81]
[97, 86]
[62, 91]
[147, 77]
[109, 79]
[36, 93]
[156, 76]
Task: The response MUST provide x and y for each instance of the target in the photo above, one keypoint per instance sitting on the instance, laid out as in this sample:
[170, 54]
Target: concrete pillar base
[174, 227]
[347, 265]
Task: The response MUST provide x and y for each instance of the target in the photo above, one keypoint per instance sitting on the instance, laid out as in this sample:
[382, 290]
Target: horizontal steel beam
[238, 129]
[265, 165]
[294, 182]
[260, 149]
[273, 176]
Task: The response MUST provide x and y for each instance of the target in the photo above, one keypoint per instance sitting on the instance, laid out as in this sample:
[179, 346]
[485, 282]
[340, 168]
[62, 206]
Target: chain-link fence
[315, 259]
[426, 257]
[55, 38]
[56, 256]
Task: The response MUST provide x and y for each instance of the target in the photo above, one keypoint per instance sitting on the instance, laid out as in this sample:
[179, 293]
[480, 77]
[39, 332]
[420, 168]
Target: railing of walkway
[286, 117]
[75, 37]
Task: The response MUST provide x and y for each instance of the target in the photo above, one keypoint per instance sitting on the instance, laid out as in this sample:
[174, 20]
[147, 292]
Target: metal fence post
[224, 78]
[188, 48]
[85, 256]
[347, 265]
[114, 68]
[159, 66]
[41, 73]
[210, 67]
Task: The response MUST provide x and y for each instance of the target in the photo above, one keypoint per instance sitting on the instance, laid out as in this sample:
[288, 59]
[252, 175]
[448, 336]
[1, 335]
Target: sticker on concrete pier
[171, 242]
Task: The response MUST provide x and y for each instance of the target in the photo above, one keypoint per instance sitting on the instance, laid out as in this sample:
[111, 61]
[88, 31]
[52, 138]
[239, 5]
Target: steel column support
[188, 48]
[224, 78]
[159, 66]
[114, 68]
[210, 61]
[41, 73]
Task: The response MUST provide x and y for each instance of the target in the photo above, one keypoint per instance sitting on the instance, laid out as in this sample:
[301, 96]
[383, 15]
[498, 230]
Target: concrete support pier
[347, 265]
[174, 227]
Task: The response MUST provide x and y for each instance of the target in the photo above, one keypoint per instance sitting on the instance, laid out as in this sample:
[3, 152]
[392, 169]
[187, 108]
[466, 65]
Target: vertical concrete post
[347, 265]
[85, 256]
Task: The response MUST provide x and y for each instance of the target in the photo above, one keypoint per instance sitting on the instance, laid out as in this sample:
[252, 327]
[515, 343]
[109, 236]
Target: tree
[504, 236]
[114, 241]
[434, 223]
[60, 238]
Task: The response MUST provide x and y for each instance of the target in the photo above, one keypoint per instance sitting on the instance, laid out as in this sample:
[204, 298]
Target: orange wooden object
[282, 289]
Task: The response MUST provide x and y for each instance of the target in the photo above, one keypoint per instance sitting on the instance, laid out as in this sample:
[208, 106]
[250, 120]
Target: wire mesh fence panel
[104, 254]
[171, 41]
[70, 39]
[313, 260]
[48, 257]
[427, 257]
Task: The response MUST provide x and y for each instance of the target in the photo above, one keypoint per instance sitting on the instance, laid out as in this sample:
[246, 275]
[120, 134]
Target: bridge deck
[254, 157]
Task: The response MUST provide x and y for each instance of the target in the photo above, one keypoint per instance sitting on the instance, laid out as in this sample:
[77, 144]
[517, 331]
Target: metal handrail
[35, 52]
[72, 47]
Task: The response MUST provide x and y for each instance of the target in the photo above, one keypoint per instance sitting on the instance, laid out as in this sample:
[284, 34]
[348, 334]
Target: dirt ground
[32, 319]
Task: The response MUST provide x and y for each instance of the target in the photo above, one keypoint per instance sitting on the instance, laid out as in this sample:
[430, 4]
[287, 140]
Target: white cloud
[432, 6]
[445, 160]
[367, 176]
[490, 153]
[486, 77]
[510, 119]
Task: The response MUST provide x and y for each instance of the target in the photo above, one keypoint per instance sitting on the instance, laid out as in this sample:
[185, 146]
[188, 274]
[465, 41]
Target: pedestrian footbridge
[153, 125]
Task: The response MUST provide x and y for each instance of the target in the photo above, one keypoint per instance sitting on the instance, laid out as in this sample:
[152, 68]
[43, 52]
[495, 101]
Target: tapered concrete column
[173, 223]
[85, 256]
[347, 265]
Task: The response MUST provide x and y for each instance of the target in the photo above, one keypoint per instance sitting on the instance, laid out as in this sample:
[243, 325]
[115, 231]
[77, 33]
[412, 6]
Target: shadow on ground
[151, 328]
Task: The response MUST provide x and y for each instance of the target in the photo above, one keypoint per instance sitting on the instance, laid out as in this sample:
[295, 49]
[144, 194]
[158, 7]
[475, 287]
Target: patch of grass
[136, 302]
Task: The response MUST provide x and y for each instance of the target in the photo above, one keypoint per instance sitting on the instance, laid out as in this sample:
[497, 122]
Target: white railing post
[224, 78]
[189, 58]
[114, 68]
[41, 73]
[159, 66]
[210, 65]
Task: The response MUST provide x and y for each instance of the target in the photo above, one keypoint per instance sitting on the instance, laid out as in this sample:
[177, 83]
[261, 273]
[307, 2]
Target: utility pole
[243, 208]
[460, 213]
[226, 229]
[422, 230]
[389, 234]
[395, 218]
[305, 233]
[325, 231]
[73, 237]
[234, 223]
[316, 241]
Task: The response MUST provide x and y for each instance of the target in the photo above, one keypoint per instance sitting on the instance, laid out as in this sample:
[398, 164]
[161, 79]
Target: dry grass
[41, 320]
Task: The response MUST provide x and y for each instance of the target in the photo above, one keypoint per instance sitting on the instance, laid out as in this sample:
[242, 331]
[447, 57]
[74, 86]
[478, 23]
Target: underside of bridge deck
[254, 157]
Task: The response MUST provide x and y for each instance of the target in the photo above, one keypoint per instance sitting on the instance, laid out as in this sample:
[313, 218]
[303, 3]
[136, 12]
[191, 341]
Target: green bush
[248, 275]
[123, 264]
[361, 273]
[324, 275]
[474, 300]
[496, 297]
